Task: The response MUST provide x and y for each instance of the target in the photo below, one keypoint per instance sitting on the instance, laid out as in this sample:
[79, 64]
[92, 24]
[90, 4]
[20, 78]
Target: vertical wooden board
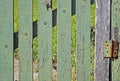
[45, 41]
[116, 36]
[83, 40]
[64, 40]
[25, 40]
[102, 34]
[6, 40]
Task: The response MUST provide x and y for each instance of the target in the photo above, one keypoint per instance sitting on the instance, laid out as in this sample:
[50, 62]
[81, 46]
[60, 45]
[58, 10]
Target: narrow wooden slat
[116, 36]
[25, 40]
[6, 40]
[102, 35]
[45, 41]
[64, 40]
[83, 40]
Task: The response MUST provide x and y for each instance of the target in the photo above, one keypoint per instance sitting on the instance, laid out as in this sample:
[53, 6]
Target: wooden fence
[107, 28]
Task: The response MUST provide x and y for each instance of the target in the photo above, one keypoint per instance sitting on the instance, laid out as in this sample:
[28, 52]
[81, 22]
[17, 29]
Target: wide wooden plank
[25, 40]
[6, 40]
[102, 34]
[64, 40]
[83, 40]
[45, 40]
[116, 36]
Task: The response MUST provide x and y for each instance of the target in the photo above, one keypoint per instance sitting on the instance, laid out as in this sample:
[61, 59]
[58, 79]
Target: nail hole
[107, 44]
[107, 51]
[45, 23]
[6, 46]
[64, 11]
[25, 34]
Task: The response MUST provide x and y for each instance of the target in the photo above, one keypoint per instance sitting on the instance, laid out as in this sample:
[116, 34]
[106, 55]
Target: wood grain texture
[64, 40]
[6, 40]
[102, 34]
[83, 40]
[45, 41]
[25, 40]
[116, 36]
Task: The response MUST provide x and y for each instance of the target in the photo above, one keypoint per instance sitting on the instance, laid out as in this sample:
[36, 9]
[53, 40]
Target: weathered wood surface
[116, 36]
[102, 30]
[25, 40]
[64, 40]
[6, 40]
[45, 41]
[83, 40]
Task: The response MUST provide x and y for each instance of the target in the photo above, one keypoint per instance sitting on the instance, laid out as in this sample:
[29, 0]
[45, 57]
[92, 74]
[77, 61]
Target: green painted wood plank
[116, 36]
[83, 40]
[102, 34]
[6, 40]
[45, 41]
[64, 40]
[25, 40]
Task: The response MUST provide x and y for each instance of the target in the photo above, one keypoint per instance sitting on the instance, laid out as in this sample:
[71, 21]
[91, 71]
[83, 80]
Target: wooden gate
[107, 24]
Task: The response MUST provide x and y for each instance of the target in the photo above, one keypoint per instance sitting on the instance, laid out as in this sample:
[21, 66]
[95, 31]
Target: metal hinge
[111, 49]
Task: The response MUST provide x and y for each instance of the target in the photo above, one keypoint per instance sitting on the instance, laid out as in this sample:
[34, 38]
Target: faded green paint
[6, 40]
[116, 36]
[45, 41]
[83, 40]
[107, 49]
[25, 40]
[64, 40]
